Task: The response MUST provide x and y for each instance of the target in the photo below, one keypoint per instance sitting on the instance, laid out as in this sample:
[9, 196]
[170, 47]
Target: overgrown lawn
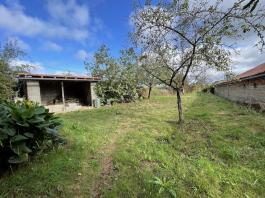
[218, 152]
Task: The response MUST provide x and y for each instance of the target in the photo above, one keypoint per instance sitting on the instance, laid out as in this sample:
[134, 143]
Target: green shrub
[25, 128]
[117, 92]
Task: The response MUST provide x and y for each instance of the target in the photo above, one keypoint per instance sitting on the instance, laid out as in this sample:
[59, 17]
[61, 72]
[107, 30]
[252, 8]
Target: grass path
[106, 166]
[137, 150]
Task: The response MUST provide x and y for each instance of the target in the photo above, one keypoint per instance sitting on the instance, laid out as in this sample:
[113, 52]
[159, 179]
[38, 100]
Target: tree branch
[189, 66]
[216, 23]
[179, 33]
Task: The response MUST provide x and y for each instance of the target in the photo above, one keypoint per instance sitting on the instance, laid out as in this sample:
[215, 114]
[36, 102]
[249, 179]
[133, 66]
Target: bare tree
[182, 36]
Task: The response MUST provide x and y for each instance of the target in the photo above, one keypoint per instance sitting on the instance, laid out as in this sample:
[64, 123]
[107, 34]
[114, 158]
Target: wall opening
[74, 92]
[51, 92]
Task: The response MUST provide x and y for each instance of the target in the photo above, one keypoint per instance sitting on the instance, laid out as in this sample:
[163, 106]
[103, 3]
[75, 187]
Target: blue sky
[58, 35]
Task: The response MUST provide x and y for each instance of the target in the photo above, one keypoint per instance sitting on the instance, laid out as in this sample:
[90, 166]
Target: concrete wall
[46, 92]
[33, 91]
[59, 108]
[93, 95]
[250, 92]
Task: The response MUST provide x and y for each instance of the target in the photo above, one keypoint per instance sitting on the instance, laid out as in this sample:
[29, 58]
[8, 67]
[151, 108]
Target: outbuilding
[58, 92]
[247, 88]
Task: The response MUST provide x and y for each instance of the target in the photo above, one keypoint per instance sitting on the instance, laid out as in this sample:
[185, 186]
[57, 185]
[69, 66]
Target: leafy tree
[182, 36]
[229, 75]
[119, 76]
[24, 68]
[145, 77]
[8, 52]
[149, 81]
[129, 79]
[105, 67]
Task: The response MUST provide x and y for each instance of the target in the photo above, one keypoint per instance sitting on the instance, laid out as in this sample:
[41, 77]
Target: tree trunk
[179, 101]
[149, 91]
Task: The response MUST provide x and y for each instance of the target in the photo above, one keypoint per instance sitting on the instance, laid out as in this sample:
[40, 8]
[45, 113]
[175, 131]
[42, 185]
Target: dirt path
[106, 164]
[106, 168]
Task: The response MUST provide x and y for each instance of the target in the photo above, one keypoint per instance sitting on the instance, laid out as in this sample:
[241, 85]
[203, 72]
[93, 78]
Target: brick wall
[248, 92]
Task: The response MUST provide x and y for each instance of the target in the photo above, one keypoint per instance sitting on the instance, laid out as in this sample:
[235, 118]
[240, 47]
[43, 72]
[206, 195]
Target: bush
[120, 92]
[25, 128]
[209, 89]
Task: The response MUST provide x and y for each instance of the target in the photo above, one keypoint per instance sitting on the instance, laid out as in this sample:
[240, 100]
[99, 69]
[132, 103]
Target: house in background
[247, 88]
[58, 92]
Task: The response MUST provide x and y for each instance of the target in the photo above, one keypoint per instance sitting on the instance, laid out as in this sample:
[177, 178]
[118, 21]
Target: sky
[58, 35]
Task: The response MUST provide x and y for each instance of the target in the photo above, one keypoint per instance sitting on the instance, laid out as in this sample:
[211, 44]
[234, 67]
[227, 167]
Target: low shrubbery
[208, 89]
[120, 92]
[25, 128]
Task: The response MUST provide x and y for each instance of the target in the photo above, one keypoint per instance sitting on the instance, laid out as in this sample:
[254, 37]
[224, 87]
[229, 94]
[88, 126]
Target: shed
[247, 88]
[58, 92]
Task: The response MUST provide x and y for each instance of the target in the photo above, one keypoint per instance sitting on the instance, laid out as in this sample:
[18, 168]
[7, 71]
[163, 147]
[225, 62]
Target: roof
[253, 72]
[28, 76]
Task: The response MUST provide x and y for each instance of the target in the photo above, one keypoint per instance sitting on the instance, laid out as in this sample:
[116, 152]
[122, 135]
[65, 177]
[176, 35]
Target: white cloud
[68, 12]
[70, 73]
[82, 55]
[247, 58]
[213, 75]
[37, 67]
[51, 46]
[15, 20]
[98, 25]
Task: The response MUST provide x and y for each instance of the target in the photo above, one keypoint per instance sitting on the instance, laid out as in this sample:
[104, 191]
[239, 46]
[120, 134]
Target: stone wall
[250, 92]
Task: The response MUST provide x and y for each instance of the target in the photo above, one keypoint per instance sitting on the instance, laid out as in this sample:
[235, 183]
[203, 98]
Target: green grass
[218, 152]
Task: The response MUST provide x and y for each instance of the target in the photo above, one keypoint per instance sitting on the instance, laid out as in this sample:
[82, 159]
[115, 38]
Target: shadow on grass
[173, 123]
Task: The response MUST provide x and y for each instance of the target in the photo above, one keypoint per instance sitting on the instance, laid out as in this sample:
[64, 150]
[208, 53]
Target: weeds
[164, 185]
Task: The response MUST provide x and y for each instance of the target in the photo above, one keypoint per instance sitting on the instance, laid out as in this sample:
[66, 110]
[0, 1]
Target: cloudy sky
[58, 35]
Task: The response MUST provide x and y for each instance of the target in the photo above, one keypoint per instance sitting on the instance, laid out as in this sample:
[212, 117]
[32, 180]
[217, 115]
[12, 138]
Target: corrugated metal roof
[252, 72]
[28, 76]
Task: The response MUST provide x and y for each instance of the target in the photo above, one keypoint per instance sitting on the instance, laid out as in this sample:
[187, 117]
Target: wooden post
[62, 85]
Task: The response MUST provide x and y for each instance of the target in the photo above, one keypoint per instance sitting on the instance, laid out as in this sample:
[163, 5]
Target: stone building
[58, 92]
[247, 88]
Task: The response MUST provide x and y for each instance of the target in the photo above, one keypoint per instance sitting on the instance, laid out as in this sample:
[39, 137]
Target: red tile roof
[254, 71]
